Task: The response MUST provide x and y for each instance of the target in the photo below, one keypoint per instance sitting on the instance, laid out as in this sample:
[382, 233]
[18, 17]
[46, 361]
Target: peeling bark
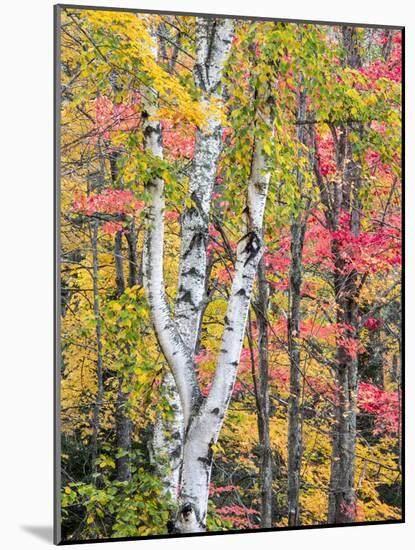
[166, 443]
[213, 39]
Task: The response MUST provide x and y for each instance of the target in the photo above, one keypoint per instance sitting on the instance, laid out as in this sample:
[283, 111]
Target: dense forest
[230, 237]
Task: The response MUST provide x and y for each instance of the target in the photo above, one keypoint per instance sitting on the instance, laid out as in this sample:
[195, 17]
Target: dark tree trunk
[98, 334]
[294, 420]
[394, 373]
[375, 365]
[123, 429]
[119, 268]
[122, 419]
[387, 45]
[263, 398]
[133, 267]
[342, 498]
[298, 227]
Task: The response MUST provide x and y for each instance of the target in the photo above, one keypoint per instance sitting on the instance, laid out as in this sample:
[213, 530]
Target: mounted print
[228, 274]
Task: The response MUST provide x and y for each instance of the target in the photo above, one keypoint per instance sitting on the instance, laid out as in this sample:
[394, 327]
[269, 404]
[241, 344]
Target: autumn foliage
[113, 368]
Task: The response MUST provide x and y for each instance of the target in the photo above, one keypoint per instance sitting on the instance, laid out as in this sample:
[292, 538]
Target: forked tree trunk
[212, 47]
[203, 417]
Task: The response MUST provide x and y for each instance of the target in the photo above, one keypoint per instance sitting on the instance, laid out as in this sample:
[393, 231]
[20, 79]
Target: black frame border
[57, 8]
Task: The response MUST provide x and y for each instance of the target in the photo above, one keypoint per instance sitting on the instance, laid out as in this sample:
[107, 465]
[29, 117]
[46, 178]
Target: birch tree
[203, 417]
[213, 40]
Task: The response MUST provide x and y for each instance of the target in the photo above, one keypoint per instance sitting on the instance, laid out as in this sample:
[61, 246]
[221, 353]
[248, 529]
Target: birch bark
[204, 429]
[213, 39]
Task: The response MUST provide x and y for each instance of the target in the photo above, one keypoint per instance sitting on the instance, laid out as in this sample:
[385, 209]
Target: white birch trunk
[170, 340]
[213, 44]
[213, 39]
[165, 447]
[167, 441]
[205, 426]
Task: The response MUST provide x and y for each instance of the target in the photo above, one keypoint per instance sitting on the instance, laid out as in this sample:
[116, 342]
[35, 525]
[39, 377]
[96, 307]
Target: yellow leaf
[267, 147]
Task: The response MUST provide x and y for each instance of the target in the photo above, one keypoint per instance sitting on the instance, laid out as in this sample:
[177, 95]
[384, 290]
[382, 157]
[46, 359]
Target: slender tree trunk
[387, 45]
[375, 365]
[263, 398]
[294, 421]
[342, 500]
[298, 227]
[394, 373]
[342, 497]
[122, 419]
[123, 426]
[133, 267]
[123, 430]
[98, 334]
[119, 267]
